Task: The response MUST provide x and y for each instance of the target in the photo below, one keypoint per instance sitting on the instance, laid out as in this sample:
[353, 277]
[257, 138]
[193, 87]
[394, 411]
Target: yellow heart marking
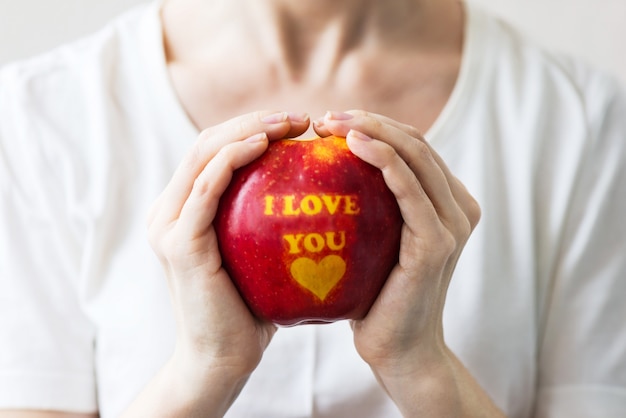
[319, 278]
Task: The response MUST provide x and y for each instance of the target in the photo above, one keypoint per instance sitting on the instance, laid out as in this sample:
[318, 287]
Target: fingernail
[338, 115]
[359, 135]
[318, 123]
[275, 118]
[298, 117]
[260, 137]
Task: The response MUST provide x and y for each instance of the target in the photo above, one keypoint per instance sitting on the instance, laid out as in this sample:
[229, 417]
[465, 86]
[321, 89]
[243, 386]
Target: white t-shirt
[91, 133]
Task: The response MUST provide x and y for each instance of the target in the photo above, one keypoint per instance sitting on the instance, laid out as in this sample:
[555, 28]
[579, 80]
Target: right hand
[215, 329]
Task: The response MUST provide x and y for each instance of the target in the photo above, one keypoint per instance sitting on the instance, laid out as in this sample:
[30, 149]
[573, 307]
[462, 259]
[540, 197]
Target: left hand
[402, 334]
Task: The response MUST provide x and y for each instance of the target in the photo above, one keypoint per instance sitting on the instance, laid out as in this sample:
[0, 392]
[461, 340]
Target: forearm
[176, 393]
[443, 389]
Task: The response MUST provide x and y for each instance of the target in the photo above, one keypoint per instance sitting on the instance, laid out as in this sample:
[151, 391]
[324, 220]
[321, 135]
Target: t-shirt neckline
[152, 45]
[436, 134]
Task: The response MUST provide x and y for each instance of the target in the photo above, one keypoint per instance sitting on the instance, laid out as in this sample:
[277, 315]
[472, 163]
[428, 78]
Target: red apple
[308, 232]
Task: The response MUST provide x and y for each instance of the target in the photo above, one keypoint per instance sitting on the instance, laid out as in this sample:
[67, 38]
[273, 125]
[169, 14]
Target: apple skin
[308, 232]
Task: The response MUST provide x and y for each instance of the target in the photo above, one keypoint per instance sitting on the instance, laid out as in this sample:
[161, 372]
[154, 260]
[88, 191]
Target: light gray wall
[28, 27]
[593, 29]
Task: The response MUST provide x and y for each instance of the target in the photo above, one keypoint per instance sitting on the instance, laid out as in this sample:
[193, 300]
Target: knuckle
[464, 229]
[474, 212]
[422, 151]
[227, 154]
[366, 120]
[153, 213]
[232, 129]
[194, 158]
[374, 123]
[388, 154]
[440, 245]
[200, 185]
[154, 240]
[411, 131]
[206, 134]
[158, 243]
[434, 249]
[469, 205]
[448, 243]
[358, 113]
[414, 132]
[239, 129]
[258, 115]
[153, 230]
[174, 248]
[419, 156]
[194, 155]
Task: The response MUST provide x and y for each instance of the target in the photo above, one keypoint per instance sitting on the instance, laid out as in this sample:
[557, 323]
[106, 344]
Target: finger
[198, 212]
[210, 141]
[415, 154]
[460, 192]
[407, 140]
[412, 199]
[299, 123]
[320, 129]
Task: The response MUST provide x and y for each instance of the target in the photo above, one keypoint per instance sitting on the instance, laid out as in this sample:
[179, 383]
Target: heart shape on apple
[308, 232]
[319, 278]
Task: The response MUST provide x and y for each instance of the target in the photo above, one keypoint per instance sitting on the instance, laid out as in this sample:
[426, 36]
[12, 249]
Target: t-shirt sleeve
[46, 339]
[582, 355]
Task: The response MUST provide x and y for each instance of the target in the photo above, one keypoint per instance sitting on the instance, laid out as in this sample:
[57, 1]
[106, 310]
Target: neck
[304, 39]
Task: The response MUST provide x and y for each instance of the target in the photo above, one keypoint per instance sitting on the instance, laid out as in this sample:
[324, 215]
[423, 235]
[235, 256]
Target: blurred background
[592, 29]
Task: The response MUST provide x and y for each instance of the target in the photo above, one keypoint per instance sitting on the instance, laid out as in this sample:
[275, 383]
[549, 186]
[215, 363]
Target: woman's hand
[401, 338]
[219, 342]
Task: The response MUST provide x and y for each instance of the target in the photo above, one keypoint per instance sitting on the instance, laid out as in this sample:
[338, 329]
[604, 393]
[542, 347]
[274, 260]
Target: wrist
[183, 391]
[210, 380]
[425, 368]
[425, 390]
[435, 385]
[206, 391]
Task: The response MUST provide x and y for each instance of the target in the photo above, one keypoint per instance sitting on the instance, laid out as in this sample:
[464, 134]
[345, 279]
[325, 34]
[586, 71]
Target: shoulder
[54, 99]
[535, 91]
[526, 71]
[55, 107]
